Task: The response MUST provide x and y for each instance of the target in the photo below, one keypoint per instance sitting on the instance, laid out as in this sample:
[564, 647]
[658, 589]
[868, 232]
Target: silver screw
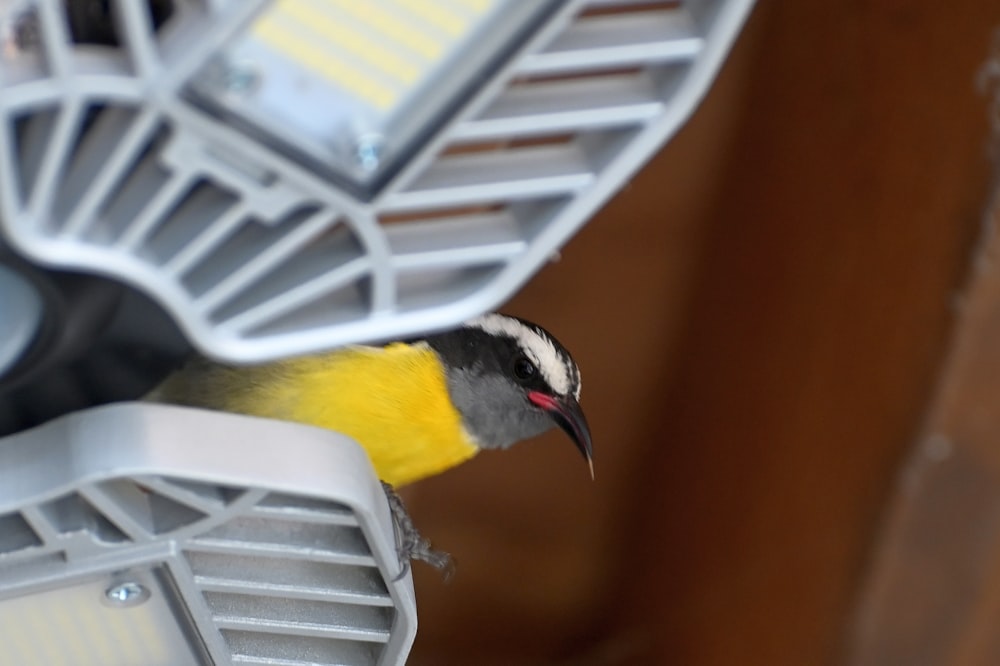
[368, 150]
[126, 595]
[239, 78]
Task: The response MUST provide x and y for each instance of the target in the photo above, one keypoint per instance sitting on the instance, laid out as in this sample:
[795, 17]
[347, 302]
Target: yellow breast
[392, 400]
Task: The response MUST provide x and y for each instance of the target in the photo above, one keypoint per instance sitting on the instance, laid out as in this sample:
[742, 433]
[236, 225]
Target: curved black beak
[568, 415]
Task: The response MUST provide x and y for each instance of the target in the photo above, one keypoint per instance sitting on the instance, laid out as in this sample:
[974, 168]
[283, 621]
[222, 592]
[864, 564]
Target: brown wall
[759, 317]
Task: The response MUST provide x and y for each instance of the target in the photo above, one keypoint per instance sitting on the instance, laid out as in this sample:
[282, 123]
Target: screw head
[368, 151]
[239, 78]
[127, 594]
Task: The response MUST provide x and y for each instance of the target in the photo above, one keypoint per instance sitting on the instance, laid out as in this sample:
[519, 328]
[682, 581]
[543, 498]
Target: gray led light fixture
[152, 535]
[280, 190]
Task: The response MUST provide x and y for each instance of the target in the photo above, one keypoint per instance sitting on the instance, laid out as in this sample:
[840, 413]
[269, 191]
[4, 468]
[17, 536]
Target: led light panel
[350, 83]
[121, 620]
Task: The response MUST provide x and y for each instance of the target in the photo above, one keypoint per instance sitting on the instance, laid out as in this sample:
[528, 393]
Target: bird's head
[510, 380]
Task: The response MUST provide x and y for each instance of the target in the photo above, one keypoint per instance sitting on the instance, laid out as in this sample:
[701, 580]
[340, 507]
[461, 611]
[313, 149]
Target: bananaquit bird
[418, 408]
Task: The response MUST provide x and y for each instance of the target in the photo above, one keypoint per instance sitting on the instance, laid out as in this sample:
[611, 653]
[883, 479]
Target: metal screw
[239, 78]
[368, 150]
[126, 595]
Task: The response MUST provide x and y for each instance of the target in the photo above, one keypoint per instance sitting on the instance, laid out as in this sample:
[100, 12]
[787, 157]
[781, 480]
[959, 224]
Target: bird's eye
[524, 369]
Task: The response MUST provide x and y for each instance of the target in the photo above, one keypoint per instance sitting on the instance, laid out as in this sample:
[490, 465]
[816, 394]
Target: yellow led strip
[34, 622]
[89, 633]
[317, 20]
[144, 630]
[64, 619]
[399, 31]
[21, 643]
[320, 60]
[117, 632]
[436, 15]
[478, 6]
[92, 626]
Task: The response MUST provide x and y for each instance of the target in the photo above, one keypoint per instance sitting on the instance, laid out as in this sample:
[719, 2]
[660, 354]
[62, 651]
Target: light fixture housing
[130, 157]
[166, 536]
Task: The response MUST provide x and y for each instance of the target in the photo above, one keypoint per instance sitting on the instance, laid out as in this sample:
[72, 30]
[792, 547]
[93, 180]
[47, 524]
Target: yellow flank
[392, 400]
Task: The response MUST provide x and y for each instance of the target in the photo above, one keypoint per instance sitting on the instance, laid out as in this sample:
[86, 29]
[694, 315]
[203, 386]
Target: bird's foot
[410, 544]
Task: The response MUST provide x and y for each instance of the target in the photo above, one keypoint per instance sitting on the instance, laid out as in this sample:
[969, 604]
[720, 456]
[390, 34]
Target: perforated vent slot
[292, 580]
[300, 579]
[259, 649]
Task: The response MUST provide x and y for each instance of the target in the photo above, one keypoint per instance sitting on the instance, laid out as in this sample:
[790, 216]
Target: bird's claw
[410, 545]
[421, 550]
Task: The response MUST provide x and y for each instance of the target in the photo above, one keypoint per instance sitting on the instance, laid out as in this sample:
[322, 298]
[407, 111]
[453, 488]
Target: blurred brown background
[764, 319]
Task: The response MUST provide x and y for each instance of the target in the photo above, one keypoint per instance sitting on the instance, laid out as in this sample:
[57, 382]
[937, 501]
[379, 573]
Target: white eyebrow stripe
[553, 364]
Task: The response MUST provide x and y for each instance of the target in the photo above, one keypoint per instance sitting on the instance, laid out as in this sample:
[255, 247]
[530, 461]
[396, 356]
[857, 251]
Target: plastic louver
[252, 555]
[107, 165]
